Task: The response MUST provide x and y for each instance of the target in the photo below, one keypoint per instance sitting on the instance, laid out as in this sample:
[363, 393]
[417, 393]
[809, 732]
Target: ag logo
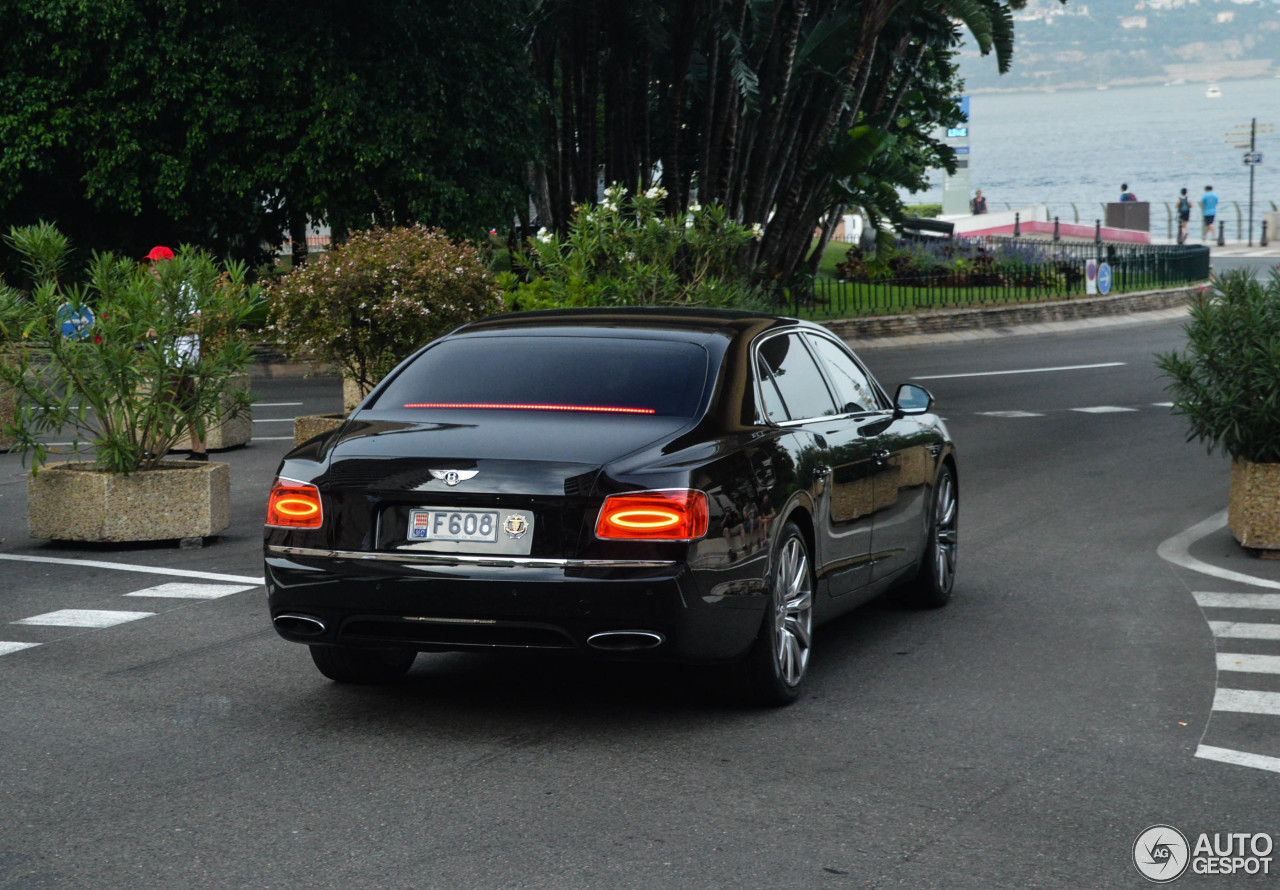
[453, 477]
[1161, 854]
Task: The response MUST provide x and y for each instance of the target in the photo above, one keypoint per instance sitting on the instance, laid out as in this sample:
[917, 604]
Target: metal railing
[1057, 273]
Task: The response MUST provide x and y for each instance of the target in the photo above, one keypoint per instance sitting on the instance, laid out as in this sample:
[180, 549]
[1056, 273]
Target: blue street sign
[1104, 278]
[75, 320]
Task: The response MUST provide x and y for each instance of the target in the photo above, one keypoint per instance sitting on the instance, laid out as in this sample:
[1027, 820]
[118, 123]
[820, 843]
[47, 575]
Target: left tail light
[678, 515]
[294, 505]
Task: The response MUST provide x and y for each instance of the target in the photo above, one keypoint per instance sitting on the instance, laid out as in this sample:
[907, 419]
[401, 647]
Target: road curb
[1000, 318]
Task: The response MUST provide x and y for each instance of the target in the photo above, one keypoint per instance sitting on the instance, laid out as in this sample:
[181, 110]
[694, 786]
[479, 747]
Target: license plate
[475, 526]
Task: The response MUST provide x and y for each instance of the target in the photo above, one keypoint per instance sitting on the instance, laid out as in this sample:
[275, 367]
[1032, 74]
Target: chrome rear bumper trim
[452, 559]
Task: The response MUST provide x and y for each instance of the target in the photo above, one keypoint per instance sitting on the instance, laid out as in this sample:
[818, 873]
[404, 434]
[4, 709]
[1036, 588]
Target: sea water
[1078, 147]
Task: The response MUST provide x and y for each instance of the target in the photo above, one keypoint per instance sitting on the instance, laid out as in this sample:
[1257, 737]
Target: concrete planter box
[8, 404]
[352, 393]
[230, 433]
[1253, 513]
[181, 499]
[308, 426]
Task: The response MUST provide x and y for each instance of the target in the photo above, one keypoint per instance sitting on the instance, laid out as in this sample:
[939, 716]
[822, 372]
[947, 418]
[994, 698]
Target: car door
[902, 464]
[796, 393]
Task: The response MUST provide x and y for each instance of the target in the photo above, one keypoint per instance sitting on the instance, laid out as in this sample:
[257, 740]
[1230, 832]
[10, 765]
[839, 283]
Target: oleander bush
[626, 251]
[106, 360]
[1227, 381]
[371, 301]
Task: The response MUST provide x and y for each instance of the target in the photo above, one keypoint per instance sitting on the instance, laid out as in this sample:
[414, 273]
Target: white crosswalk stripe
[183, 590]
[6, 647]
[1249, 664]
[1237, 600]
[84, 618]
[1256, 668]
[1106, 409]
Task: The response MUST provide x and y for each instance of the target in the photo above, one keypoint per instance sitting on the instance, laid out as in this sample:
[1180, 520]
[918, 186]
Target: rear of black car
[472, 502]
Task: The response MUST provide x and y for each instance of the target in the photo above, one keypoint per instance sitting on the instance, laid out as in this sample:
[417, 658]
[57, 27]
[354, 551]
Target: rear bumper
[643, 609]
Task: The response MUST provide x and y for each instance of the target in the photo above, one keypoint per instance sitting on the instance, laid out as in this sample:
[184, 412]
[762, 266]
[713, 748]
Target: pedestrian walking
[1208, 211]
[978, 204]
[1184, 216]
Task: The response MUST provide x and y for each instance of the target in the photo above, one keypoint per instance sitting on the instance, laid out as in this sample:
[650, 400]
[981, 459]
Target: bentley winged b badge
[453, 477]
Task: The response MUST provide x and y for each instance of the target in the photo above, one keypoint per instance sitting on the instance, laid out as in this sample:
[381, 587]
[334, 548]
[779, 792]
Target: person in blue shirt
[1208, 210]
[1125, 194]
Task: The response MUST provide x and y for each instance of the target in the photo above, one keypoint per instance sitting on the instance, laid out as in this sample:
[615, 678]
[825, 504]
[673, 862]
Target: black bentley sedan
[690, 485]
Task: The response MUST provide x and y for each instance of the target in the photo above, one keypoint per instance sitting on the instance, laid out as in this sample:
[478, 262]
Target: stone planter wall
[1253, 513]
[229, 433]
[308, 426]
[352, 393]
[8, 404]
[67, 502]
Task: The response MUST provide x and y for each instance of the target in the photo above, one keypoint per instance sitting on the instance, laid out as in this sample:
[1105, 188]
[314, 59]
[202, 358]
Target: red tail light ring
[673, 515]
[294, 505]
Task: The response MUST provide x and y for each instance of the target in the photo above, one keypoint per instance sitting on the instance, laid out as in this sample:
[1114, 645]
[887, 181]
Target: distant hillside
[1081, 45]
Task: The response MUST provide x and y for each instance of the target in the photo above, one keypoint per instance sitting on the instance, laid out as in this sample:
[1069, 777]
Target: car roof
[693, 322]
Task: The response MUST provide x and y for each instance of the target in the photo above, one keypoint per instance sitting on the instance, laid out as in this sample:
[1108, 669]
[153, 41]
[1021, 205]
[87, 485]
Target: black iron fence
[1006, 270]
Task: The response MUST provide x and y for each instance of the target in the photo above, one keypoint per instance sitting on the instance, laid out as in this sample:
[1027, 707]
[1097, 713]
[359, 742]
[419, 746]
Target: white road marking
[273, 438]
[1240, 630]
[84, 618]
[1249, 664]
[1008, 414]
[1238, 600]
[1239, 758]
[146, 570]
[1177, 550]
[1247, 701]
[276, 404]
[1022, 371]
[1162, 404]
[273, 420]
[181, 590]
[6, 648]
[1105, 409]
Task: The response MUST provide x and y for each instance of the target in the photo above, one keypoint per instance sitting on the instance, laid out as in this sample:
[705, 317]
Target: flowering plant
[1227, 383]
[370, 302]
[105, 359]
[626, 252]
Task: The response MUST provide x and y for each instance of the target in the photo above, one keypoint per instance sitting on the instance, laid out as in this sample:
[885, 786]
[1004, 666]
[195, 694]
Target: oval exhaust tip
[300, 625]
[626, 640]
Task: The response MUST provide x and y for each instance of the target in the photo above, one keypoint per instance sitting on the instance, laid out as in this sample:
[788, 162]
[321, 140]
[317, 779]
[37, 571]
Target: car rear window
[604, 375]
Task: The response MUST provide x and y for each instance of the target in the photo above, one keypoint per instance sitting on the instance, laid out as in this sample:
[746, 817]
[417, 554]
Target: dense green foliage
[226, 124]
[1227, 383]
[782, 112]
[627, 252]
[128, 385]
[370, 302]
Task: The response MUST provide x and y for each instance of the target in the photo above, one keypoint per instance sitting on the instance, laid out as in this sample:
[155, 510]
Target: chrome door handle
[821, 472]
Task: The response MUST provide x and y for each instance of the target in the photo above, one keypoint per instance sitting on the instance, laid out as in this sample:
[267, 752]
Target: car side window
[854, 392]
[790, 367]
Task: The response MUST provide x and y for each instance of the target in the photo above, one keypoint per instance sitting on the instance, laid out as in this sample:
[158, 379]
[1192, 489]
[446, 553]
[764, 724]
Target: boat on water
[1213, 92]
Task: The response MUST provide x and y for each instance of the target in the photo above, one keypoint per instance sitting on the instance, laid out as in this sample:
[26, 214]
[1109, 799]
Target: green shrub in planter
[115, 383]
[627, 252]
[1227, 382]
[371, 301]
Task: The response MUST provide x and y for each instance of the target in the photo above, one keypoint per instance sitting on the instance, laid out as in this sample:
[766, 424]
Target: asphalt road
[1022, 737]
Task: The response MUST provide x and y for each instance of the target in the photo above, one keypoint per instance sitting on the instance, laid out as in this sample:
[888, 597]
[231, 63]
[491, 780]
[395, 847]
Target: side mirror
[912, 400]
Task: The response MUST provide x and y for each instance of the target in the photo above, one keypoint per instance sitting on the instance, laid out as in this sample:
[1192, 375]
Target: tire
[779, 658]
[932, 586]
[344, 664]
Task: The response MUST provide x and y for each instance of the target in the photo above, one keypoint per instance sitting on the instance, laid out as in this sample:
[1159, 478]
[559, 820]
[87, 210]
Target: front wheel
[937, 576]
[779, 658]
[345, 664]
